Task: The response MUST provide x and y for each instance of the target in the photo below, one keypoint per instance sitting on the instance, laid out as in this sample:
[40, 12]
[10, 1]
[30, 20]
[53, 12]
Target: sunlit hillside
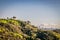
[14, 29]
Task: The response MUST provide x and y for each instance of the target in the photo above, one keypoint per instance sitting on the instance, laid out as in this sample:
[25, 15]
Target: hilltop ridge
[14, 29]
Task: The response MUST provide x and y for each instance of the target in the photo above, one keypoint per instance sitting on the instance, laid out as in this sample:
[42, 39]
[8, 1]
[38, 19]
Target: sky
[36, 11]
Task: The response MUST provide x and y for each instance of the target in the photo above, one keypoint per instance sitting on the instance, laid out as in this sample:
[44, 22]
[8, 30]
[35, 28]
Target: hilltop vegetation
[57, 30]
[12, 29]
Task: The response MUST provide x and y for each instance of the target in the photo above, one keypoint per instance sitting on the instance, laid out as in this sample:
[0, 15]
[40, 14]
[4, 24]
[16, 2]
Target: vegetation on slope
[12, 29]
[57, 30]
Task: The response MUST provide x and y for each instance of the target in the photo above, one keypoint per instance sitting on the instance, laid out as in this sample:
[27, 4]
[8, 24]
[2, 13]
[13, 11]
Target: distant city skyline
[37, 11]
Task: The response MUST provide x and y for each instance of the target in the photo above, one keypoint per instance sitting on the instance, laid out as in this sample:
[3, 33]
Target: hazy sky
[37, 11]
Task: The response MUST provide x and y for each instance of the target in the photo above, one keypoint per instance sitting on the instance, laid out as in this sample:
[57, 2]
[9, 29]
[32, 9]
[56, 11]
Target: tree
[28, 22]
[14, 17]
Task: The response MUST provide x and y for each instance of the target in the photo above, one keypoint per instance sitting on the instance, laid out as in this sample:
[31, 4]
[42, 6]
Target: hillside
[57, 30]
[12, 29]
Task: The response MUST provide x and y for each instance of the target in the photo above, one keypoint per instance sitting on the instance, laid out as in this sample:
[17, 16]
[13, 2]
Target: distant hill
[14, 29]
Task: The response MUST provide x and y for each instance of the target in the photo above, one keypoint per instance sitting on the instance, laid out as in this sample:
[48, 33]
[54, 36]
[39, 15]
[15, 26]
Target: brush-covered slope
[11, 29]
[57, 30]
